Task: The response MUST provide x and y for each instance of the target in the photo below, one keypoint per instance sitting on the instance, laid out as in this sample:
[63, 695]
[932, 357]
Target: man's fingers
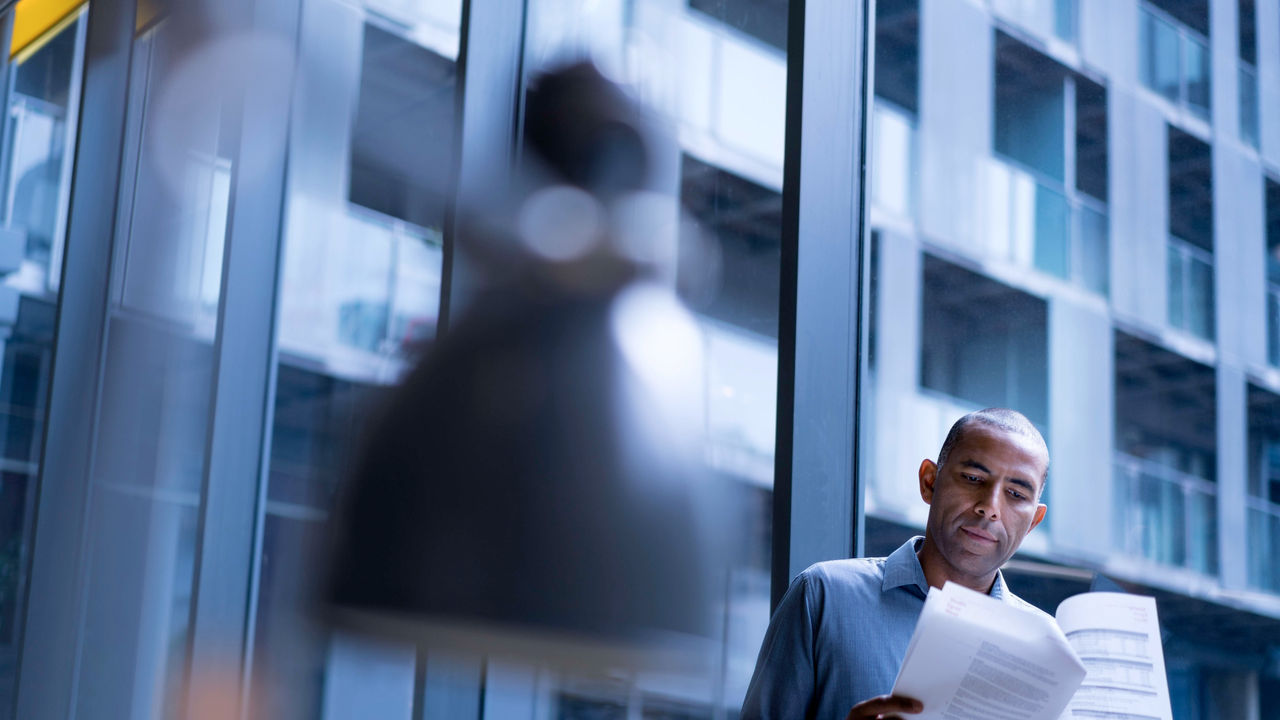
[884, 708]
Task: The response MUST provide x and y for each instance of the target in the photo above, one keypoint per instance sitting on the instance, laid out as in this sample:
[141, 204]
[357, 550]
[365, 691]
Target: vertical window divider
[817, 501]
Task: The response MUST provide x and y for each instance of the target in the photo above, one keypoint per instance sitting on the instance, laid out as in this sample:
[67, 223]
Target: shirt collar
[902, 569]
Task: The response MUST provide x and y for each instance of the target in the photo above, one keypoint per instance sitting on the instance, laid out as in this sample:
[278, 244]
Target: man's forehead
[997, 444]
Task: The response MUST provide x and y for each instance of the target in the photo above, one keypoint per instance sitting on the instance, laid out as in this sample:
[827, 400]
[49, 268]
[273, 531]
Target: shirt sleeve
[782, 686]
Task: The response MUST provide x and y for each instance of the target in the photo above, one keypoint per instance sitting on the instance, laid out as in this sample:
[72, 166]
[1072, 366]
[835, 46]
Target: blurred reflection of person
[838, 638]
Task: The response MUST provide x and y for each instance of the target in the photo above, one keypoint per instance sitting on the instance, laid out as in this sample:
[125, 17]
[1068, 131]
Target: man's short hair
[1010, 421]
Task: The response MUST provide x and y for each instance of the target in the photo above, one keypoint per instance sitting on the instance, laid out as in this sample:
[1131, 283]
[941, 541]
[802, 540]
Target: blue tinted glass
[1196, 64]
[1064, 19]
[1052, 251]
[1200, 298]
[1248, 85]
[1177, 285]
[1095, 263]
[1159, 53]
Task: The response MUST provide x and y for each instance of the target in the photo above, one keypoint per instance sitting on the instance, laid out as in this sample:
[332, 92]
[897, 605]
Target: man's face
[984, 500]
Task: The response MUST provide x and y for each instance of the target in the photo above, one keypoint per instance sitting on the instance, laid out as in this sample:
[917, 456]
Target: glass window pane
[40, 126]
[1273, 326]
[1248, 87]
[1064, 19]
[1177, 302]
[1200, 298]
[1053, 225]
[1095, 261]
[370, 180]
[1160, 56]
[1196, 65]
[716, 71]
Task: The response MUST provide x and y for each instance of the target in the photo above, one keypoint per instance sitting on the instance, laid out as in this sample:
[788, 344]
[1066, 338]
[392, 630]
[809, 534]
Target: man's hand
[885, 707]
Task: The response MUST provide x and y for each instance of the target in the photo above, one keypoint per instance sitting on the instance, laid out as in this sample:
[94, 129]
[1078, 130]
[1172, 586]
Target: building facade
[229, 226]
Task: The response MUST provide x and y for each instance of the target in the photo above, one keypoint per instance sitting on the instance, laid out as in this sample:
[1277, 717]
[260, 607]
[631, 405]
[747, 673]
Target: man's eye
[972, 478]
[1017, 495]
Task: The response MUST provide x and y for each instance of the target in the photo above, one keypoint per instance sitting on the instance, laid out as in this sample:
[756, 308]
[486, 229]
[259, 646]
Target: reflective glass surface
[372, 150]
[1195, 63]
[1160, 51]
[1247, 83]
[715, 71]
[1095, 263]
[41, 121]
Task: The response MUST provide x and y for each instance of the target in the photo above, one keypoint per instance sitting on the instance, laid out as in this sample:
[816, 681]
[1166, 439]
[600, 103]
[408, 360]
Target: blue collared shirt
[840, 634]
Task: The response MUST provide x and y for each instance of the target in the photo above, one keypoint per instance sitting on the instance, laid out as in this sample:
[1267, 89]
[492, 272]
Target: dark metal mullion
[817, 501]
[244, 357]
[47, 665]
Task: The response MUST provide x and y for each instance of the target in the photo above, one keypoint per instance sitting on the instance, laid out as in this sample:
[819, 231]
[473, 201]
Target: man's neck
[937, 571]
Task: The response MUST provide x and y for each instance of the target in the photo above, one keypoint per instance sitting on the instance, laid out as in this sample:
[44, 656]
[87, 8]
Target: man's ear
[928, 475]
[1040, 511]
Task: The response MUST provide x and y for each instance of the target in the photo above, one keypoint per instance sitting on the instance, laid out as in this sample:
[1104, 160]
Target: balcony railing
[1175, 62]
[1264, 545]
[1035, 222]
[893, 159]
[1190, 288]
[1165, 516]
[1248, 91]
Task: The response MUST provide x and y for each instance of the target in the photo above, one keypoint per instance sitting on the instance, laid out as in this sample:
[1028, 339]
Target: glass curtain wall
[372, 150]
[42, 78]
[715, 71]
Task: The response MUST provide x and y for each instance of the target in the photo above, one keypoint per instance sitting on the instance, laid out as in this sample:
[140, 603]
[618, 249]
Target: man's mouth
[977, 534]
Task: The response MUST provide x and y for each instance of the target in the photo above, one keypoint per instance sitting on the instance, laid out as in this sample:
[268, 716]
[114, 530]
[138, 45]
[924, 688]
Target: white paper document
[1118, 638]
[974, 657]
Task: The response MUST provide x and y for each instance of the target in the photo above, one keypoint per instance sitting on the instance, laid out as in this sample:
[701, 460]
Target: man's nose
[989, 503]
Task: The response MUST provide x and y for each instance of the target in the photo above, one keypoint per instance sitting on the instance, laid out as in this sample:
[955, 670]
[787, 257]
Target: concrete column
[1108, 32]
[1238, 254]
[1224, 64]
[1233, 464]
[1081, 385]
[956, 89]
[1139, 208]
[897, 374]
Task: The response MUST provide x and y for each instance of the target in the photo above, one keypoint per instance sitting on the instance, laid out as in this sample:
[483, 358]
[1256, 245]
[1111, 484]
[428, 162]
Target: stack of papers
[974, 657]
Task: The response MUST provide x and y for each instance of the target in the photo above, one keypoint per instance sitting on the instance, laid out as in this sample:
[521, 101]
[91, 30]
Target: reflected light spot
[663, 345]
[560, 223]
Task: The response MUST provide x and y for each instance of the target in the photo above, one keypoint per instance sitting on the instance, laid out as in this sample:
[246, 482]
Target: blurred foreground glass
[716, 72]
[41, 122]
[372, 148]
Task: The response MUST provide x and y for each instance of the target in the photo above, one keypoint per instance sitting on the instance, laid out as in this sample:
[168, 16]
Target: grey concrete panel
[1233, 420]
[1139, 176]
[897, 372]
[1239, 249]
[1224, 62]
[1081, 427]
[1107, 30]
[956, 91]
[1268, 15]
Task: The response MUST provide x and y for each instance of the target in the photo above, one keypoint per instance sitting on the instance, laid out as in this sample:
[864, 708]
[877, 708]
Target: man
[836, 641]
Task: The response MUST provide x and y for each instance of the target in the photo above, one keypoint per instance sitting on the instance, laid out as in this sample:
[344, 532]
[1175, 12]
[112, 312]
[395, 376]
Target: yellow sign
[34, 19]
